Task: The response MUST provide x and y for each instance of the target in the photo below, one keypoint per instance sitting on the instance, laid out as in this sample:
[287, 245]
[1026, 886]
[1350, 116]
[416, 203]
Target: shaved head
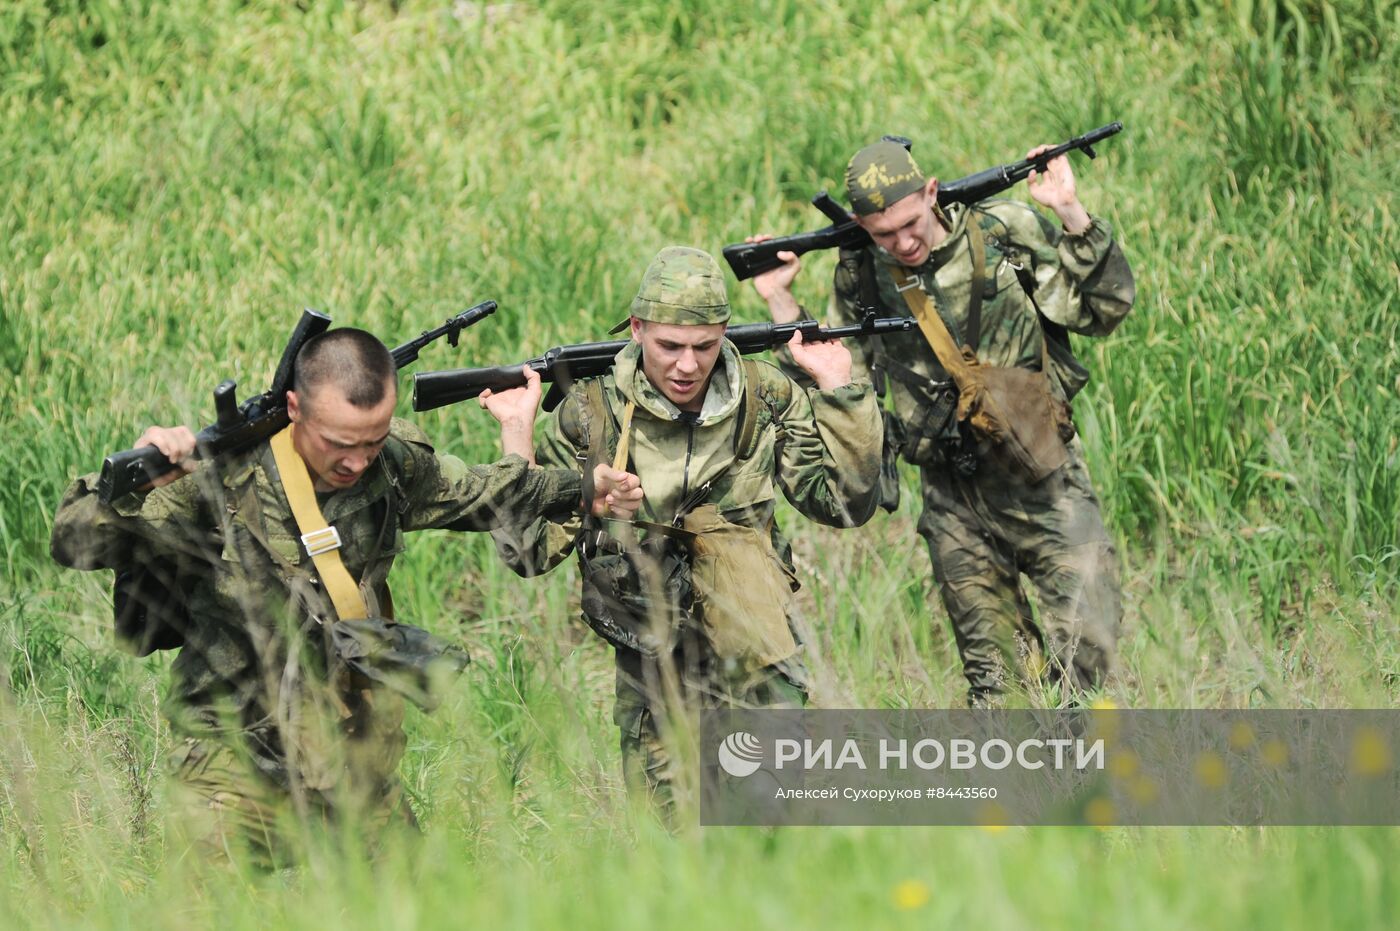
[355, 362]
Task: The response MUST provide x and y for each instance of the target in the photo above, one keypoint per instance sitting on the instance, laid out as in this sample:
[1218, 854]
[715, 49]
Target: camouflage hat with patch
[880, 174]
[681, 285]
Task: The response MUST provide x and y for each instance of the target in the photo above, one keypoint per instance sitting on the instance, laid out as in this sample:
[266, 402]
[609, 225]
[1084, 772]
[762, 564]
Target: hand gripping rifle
[238, 427]
[749, 259]
[562, 365]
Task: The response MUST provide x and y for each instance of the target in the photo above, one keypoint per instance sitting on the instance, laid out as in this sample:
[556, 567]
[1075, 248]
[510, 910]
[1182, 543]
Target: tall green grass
[177, 180]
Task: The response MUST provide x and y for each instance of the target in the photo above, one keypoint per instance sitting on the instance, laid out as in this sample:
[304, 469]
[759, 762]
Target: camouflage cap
[682, 285]
[880, 174]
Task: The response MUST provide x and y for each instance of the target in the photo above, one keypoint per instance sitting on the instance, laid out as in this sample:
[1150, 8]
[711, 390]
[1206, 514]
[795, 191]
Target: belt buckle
[321, 541]
[914, 281]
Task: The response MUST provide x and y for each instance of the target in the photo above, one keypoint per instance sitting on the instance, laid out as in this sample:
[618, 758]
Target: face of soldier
[338, 440]
[907, 229]
[678, 359]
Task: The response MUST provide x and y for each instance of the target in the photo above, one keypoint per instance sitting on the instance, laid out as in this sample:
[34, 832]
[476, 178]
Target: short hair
[354, 361]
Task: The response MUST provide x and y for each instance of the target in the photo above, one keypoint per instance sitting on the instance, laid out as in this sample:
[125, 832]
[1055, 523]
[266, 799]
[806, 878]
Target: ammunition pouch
[924, 438]
[1020, 424]
[636, 594]
[400, 657]
[721, 580]
[742, 590]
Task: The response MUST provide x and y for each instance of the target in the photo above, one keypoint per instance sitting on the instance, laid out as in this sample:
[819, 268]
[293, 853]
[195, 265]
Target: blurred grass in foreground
[176, 180]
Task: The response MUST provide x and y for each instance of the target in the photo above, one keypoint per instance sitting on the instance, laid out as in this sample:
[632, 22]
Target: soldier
[281, 551]
[696, 597]
[1005, 283]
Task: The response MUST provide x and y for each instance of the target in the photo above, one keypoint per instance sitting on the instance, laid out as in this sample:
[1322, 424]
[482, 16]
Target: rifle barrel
[750, 259]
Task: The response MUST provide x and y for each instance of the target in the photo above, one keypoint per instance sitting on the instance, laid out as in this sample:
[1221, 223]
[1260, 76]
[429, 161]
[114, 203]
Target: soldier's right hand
[176, 444]
[616, 493]
[775, 285]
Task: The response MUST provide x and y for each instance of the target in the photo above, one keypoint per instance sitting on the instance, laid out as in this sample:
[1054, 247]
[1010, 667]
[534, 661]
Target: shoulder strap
[321, 540]
[862, 268]
[755, 394]
[1025, 277]
[595, 419]
[978, 284]
[744, 442]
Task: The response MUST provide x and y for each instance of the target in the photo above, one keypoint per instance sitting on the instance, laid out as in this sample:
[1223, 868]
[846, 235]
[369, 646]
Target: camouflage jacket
[1082, 284]
[819, 448]
[252, 595]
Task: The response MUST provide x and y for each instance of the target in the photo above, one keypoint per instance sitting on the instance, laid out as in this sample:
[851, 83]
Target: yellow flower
[1211, 771]
[1104, 718]
[1241, 736]
[1123, 764]
[1100, 812]
[993, 817]
[910, 894]
[1143, 790]
[1274, 752]
[1370, 754]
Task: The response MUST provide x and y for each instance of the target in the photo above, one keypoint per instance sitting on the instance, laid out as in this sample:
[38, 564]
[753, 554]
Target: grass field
[178, 179]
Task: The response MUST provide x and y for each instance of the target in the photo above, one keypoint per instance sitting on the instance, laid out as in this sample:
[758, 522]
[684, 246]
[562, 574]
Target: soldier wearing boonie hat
[701, 427]
[1007, 283]
[682, 286]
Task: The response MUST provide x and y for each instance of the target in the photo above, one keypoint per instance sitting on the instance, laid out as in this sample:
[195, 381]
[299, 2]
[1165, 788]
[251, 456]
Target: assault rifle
[563, 364]
[238, 427]
[749, 259]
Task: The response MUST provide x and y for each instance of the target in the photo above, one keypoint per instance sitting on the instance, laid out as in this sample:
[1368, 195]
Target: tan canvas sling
[1012, 409]
[321, 540]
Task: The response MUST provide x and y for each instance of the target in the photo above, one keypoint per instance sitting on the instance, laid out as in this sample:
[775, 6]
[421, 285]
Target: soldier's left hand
[827, 361]
[1055, 188]
[514, 408]
[615, 493]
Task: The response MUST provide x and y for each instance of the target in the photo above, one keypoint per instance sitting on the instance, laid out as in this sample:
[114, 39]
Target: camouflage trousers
[984, 532]
[658, 701]
[233, 802]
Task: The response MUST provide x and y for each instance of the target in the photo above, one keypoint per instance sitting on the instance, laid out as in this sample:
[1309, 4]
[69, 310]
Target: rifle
[749, 259]
[238, 427]
[562, 365]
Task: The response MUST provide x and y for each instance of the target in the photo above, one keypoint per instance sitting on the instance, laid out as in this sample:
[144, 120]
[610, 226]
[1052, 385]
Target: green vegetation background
[178, 179]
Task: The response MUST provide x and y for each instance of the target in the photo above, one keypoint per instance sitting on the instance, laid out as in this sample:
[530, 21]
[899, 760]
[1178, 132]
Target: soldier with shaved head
[286, 694]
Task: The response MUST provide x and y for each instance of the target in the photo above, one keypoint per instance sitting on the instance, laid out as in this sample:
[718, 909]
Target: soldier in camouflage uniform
[702, 618]
[983, 525]
[273, 723]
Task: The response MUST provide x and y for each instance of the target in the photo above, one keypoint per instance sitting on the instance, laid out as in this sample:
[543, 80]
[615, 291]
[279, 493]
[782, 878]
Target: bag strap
[748, 413]
[932, 326]
[321, 540]
[776, 397]
[979, 274]
[624, 437]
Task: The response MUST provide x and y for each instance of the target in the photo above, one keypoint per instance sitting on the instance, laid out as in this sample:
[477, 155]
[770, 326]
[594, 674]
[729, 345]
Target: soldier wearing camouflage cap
[696, 596]
[1007, 283]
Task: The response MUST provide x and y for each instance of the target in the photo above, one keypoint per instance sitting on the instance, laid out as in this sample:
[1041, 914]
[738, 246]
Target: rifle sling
[321, 540]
